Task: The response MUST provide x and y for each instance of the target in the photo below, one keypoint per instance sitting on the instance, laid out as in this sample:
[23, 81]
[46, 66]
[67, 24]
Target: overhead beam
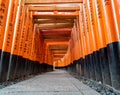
[57, 43]
[59, 38]
[57, 58]
[52, 1]
[62, 52]
[53, 16]
[55, 36]
[55, 26]
[56, 33]
[58, 54]
[43, 21]
[54, 8]
[57, 51]
[58, 48]
[52, 40]
[54, 30]
[47, 40]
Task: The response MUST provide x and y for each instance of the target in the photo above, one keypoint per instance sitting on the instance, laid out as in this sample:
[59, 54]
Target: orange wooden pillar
[28, 45]
[37, 51]
[81, 25]
[87, 41]
[7, 42]
[97, 41]
[116, 15]
[31, 49]
[19, 45]
[30, 62]
[101, 39]
[78, 44]
[75, 48]
[73, 45]
[3, 15]
[21, 60]
[113, 45]
[15, 43]
[94, 44]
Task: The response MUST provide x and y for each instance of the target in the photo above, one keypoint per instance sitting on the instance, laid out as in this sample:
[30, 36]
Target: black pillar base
[87, 67]
[4, 64]
[0, 53]
[18, 67]
[91, 67]
[81, 61]
[105, 66]
[12, 67]
[114, 63]
[98, 72]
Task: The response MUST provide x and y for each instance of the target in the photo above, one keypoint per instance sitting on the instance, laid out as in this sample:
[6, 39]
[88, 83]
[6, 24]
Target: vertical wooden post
[92, 59]
[7, 43]
[99, 32]
[15, 42]
[3, 17]
[113, 44]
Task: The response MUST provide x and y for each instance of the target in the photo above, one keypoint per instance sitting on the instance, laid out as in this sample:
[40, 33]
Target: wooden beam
[43, 21]
[54, 30]
[56, 58]
[54, 8]
[53, 16]
[62, 54]
[57, 38]
[52, 40]
[58, 55]
[55, 26]
[59, 52]
[52, 1]
[57, 43]
[56, 33]
[58, 47]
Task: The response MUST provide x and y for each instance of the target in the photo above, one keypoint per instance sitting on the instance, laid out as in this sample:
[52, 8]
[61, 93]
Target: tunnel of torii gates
[81, 36]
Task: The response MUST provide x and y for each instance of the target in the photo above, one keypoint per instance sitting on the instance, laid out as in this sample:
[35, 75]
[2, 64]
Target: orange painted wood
[86, 31]
[22, 29]
[116, 14]
[32, 44]
[109, 21]
[9, 30]
[3, 17]
[17, 29]
[91, 40]
[25, 34]
[81, 32]
[52, 1]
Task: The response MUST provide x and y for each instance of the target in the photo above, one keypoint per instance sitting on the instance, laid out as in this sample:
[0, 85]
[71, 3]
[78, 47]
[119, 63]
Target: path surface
[52, 83]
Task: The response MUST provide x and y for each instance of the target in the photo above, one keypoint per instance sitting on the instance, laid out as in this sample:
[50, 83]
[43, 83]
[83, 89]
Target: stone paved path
[58, 82]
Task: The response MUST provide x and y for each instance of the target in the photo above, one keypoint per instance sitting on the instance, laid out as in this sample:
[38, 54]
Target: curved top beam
[52, 1]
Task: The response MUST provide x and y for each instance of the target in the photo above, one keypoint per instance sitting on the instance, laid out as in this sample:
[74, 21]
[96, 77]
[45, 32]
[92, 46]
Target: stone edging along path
[98, 86]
